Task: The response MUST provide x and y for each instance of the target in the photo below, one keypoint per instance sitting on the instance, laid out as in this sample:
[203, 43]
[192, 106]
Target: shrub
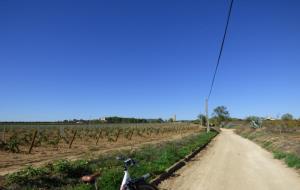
[12, 145]
[287, 116]
[292, 160]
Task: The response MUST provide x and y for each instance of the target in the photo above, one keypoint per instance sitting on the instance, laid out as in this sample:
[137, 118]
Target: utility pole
[207, 119]
[201, 124]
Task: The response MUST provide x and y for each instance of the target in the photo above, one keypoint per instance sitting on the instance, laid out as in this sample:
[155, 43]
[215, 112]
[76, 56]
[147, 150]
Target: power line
[221, 50]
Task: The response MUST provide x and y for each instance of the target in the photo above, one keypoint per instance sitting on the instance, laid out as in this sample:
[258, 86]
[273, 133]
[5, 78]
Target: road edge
[171, 170]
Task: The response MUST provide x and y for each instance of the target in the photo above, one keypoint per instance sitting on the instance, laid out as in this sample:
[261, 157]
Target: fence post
[70, 145]
[32, 142]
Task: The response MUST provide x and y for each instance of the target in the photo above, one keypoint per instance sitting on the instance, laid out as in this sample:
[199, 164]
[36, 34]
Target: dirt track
[234, 163]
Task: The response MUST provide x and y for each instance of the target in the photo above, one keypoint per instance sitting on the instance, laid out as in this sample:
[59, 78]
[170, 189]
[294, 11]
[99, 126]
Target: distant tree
[287, 116]
[252, 118]
[220, 114]
[171, 120]
[128, 120]
[202, 119]
[160, 120]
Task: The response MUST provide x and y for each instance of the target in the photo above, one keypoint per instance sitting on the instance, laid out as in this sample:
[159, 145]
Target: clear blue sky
[86, 59]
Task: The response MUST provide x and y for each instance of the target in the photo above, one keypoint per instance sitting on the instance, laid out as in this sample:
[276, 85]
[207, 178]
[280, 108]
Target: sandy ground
[233, 163]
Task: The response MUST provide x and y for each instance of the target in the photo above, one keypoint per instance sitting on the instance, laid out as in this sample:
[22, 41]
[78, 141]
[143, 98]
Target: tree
[287, 116]
[171, 120]
[202, 119]
[252, 118]
[221, 114]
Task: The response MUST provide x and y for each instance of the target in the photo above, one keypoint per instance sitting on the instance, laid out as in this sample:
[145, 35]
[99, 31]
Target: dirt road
[234, 163]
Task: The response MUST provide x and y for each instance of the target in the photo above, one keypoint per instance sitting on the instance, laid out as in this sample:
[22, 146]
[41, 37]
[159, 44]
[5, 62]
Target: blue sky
[85, 59]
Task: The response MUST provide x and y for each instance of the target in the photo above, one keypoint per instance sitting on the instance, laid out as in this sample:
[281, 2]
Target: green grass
[291, 160]
[267, 144]
[279, 155]
[63, 174]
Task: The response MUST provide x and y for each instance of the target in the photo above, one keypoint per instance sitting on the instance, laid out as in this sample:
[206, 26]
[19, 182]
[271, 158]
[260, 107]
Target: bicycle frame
[126, 178]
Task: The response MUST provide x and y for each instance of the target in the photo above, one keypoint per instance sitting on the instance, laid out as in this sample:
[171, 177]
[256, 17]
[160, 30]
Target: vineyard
[22, 144]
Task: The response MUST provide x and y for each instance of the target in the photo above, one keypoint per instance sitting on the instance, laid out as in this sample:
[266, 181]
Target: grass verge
[291, 160]
[64, 174]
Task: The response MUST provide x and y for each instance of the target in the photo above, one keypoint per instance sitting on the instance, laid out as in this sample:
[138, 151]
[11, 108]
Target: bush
[287, 116]
[292, 160]
[25, 175]
[12, 145]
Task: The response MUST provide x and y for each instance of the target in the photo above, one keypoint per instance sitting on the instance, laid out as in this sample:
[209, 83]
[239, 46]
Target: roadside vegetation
[64, 174]
[220, 117]
[281, 136]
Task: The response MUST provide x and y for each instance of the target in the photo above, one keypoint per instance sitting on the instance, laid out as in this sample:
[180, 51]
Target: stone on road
[233, 163]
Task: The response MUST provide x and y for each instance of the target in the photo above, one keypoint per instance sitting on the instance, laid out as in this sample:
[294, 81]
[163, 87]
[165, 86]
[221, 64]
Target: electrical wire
[221, 50]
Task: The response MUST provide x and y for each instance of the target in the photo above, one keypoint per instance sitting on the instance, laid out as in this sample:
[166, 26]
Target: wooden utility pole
[201, 124]
[3, 137]
[207, 118]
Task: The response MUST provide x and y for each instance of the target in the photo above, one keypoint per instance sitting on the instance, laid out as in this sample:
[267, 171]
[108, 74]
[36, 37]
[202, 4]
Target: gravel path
[233, 163]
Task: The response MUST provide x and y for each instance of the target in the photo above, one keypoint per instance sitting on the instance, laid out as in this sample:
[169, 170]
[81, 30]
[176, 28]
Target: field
[23, 145]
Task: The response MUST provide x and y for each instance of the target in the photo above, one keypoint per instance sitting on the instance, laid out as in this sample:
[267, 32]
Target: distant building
[270, 118]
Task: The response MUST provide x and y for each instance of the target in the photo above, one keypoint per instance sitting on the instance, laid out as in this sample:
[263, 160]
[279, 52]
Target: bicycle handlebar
[127, 161]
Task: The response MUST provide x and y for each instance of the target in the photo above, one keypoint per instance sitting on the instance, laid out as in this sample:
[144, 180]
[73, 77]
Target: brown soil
[12, 162]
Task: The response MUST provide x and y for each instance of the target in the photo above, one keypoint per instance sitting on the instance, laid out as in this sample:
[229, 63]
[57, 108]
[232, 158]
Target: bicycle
[127, 183]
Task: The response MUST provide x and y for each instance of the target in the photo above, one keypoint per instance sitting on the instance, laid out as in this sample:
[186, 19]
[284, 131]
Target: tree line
[221, 115]
[113, 119]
